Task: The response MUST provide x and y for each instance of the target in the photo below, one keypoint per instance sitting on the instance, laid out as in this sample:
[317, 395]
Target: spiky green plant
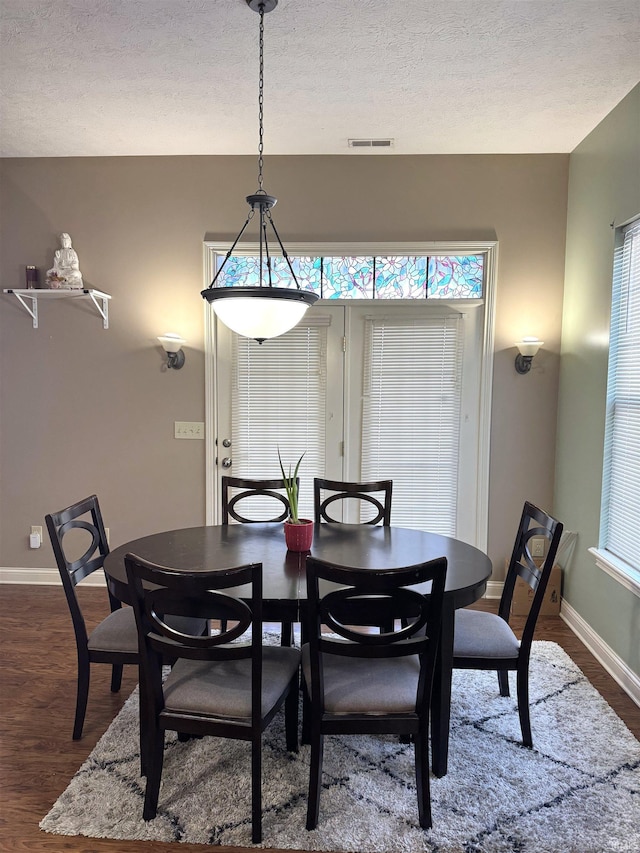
[291, 487]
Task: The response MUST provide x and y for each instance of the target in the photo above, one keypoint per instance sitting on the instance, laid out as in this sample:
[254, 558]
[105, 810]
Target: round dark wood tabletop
[284, 584]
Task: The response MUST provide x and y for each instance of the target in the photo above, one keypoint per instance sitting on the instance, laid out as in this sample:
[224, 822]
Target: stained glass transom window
[370, 277]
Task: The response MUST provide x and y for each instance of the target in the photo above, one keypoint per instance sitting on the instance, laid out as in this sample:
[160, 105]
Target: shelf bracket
[103, 308]
[29, 300]
[32, 310]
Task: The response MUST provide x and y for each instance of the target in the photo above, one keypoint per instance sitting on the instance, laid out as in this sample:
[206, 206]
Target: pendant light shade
[266, 311]
[260, 312]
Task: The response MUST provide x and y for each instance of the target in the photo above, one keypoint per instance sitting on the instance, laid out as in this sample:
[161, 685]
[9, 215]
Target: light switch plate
[188, 429]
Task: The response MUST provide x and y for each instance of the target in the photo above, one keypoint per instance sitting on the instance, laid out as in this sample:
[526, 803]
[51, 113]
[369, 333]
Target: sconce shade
[172, 345]
[171, 342]
[527, 348]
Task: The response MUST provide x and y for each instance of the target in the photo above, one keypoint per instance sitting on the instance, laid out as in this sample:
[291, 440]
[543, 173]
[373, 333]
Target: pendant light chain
[261, 102]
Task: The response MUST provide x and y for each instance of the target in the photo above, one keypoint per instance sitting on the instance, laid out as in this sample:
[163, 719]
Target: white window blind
[411, 417]
[278, 401]
[621, 482]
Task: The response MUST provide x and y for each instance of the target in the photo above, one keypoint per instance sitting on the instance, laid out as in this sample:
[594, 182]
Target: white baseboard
[604, 654]
[44, 577]
[614, 665]
[494, 589]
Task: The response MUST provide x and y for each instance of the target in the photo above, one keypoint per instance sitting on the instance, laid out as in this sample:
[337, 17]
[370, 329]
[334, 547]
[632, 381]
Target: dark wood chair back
[236, 489]
[534, 522]
[365, 599]
[362, 492]
[84, 515]
[160, 593]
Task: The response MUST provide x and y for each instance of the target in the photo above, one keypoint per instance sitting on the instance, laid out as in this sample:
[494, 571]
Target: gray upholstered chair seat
[483, 635]
[361, 685]
[116, 633]
[223, 688]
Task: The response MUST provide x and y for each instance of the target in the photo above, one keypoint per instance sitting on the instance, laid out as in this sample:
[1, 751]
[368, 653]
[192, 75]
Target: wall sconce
[172, 345]
[527, 347]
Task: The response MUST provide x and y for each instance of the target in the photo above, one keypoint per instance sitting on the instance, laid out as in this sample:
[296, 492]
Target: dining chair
[485, 640]
[359, 682]
[365, 493]
[115, 640]
[236, 489]
[217, 686]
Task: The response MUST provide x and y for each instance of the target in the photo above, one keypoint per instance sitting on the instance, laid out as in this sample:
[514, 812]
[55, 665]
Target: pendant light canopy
[265, 311]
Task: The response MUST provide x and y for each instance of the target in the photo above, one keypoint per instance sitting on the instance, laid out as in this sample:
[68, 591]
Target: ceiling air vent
[370, 143]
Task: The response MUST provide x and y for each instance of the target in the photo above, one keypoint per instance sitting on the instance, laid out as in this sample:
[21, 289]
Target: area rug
[577, 791]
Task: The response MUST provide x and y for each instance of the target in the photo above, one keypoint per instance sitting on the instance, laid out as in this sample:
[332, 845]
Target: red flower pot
[298, 537]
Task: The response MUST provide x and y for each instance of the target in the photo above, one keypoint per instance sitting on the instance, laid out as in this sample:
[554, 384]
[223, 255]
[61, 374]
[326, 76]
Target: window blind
[411, 417]
[279, 401]
[621, 480]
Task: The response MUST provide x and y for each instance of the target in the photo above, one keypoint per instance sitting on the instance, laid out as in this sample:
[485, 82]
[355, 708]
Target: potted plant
[298, 532]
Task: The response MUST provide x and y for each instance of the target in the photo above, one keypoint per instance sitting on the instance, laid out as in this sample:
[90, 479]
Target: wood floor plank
[37, 702]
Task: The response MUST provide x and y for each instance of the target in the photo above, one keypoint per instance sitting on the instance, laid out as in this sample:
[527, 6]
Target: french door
[367, 391]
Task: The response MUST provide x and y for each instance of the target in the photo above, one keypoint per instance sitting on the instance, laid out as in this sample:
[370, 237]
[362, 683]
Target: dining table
[362, 546]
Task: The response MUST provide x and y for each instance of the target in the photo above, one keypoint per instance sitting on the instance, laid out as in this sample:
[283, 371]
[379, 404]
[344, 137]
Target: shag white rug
[577, 791]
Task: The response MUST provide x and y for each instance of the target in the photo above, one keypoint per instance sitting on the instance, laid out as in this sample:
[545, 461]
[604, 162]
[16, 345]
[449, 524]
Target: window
[411, 416]
[366, 277]
[620, 520]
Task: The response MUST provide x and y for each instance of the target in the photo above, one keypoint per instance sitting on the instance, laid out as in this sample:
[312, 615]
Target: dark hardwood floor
[37, 755]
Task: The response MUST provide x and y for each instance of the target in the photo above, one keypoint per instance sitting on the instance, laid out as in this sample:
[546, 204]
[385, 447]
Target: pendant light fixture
[265, 311]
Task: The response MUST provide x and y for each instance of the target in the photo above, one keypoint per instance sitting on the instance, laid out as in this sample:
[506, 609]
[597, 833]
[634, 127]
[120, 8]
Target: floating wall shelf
[29, 300]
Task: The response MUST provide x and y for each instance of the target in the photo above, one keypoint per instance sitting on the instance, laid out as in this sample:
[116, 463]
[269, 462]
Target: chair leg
[523, 706]
[422, 777]
[286, 634]
[291, 715]
[256, 791]
[142, 724]
[116, 677]
[155, 758]
[503, 682]
[315, 778]
[82, 696]
[306, 715]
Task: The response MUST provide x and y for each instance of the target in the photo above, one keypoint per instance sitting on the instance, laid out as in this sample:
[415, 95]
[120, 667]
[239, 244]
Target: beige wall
[85, 410]
[604, 188]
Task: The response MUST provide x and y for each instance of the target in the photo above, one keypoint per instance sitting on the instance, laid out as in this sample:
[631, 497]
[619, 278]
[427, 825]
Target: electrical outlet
[188, 429]
[35, 537]
[537, 546]
[106, 533]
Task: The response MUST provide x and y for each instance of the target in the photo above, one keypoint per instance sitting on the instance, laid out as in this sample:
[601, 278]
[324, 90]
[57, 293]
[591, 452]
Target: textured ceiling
[155, 77]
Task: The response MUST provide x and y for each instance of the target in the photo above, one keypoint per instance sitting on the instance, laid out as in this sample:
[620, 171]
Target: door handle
[227, 462]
